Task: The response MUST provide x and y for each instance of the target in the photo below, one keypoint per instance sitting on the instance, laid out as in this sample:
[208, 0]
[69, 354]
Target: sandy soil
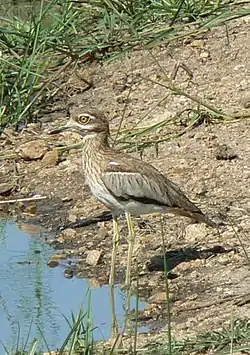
[210, 274]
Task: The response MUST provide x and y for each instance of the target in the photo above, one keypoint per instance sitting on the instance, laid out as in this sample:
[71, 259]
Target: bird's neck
[94, 144]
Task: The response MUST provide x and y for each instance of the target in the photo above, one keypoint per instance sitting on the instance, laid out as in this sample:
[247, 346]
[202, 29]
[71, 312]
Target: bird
[124, 184]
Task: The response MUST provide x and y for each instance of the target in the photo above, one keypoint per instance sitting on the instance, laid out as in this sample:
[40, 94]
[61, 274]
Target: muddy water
[33, 295]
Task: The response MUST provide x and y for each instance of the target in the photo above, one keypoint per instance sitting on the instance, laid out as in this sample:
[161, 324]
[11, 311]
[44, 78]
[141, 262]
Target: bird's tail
[196, 216]
[200, 217]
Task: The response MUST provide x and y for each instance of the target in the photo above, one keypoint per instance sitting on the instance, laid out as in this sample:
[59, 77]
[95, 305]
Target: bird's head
[85, 122]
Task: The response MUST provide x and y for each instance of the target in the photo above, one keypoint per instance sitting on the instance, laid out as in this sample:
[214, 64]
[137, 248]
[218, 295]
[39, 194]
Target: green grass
[227, 340]
[37, 48]
[29, 48]
[78, 341]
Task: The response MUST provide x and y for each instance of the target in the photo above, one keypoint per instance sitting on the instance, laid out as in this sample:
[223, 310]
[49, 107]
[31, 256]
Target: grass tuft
[37, 44]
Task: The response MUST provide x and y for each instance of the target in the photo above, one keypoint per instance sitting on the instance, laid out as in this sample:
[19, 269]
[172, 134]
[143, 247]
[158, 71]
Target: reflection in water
[32, 293]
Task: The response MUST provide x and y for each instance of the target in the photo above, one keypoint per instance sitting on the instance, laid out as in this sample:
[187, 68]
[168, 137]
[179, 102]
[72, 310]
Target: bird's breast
[100, 192]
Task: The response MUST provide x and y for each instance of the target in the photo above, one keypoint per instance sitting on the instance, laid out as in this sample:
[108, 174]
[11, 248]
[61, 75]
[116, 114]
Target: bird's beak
[59, 130]
[70, 126]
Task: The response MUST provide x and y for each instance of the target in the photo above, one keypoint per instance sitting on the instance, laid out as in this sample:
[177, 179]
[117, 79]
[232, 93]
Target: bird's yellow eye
[83, 119]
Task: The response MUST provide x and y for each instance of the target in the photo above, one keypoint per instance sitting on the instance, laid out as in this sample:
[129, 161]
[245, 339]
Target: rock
[52, 263]
[50, 158]
[34, 127]
[68, 234]
[33, 150]
[224, 152]
[81, 250]
[103, 232]
[195, 232]
[59, 240]
[68, 273]
[6, 188]
[94, 283]
[59, 257]
[204, 54]
[93, 257]
[72, 217]
[68, 252]
[200, 43]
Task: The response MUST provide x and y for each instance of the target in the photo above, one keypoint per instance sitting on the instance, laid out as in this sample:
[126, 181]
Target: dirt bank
[211, 162]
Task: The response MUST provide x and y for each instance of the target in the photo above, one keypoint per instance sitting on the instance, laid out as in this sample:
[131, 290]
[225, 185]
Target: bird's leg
[112, 276]
[131, 241]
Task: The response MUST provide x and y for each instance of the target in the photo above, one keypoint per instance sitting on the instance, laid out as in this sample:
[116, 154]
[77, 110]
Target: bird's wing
[144, 183]
[128, 178]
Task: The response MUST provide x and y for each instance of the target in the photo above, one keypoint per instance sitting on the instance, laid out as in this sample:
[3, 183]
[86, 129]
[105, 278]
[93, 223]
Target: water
[32, 293]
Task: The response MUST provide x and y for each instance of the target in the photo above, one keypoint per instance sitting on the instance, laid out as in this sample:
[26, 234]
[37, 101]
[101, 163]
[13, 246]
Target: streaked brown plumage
[122, 182]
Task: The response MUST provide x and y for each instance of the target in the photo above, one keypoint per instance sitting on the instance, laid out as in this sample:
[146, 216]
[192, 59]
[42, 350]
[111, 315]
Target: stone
[93, 257]
[68, 234]
[72, 217]
[204, 54]
[224, 152]
[60, 240]
[33, 150]
[94, 283]
[52, 263]
[6, 188]
[199, 43]
[34, 127]
[50, 158]
[81, 250]
[103, 232]
[68, 273]
[59, 256]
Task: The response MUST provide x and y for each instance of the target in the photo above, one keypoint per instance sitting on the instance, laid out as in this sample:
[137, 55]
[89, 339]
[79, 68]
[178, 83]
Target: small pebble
[93, 257]
[224, 152]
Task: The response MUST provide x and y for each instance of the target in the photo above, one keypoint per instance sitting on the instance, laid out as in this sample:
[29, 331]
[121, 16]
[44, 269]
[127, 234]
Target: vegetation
[228, 340]
[37, 47]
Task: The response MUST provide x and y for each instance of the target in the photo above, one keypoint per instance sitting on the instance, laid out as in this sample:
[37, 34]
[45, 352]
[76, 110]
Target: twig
[180, 92]
[27, 199]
